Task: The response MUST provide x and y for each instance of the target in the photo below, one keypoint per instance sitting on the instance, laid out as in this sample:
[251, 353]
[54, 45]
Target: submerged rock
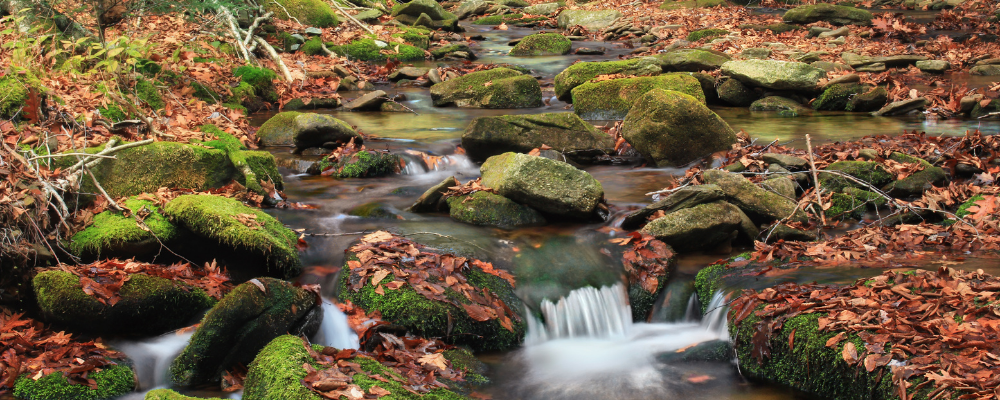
[542, 44]
[564, 132]
[489, 209]
[494, 88]
[546, 185]
[672, 129]
[777, 75]
[837, 15]
[591, 20]
[579, 73]
[241, 324]
[612, 99]
[702, 227]
[683, 198]
[321, 130]
[759, 204]
[433, 199]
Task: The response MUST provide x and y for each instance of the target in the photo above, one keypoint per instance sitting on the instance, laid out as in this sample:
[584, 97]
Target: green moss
[706, 34]
[112, 381]
[673, 5]
[489, 209]
[613, 99]
[310, 12]
[707, 282]
[837, 97]
[497, 19]
[113, 112]
[167, 394]
[368, 50]
[416, 36]
[365, 164]
[313, 47]
[542, 44]
[963, 209]
[579, 73]
[239, 107]
[241, 159]
[642, 300]
[493, 88]
[112, 231]
[775, 28]
[14, 90]
[147, 67]
[867, 171]
[244, 93]
[148, 93]
[205, 93]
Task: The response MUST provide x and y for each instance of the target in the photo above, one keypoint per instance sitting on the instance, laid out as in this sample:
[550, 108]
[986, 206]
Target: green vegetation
[114, 233]
[706, 34]
[364, 164]
[317, 13]
[112, 382]
[369, 50]
[313, 47]
[14, 89]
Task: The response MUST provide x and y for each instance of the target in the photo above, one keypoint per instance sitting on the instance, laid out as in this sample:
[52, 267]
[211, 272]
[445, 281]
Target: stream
[588, 348]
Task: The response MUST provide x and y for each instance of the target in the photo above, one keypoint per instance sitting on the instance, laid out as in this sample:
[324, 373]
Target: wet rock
[586, 51]
[759, 204]
[692, 60]
[371, 101]
[836, 97]
[672, 128]
[780, 104]
[542, 44]
[781, 185]
[149, 305]
[735, 93]
[564, 132]
[901, 107]
[788, 234]
[591, 20]
[869, 101]
[756, 53]
[410, 73]
[848, 78]
[314, 104]
[866, 171]
[470, 8]
[110, 382]
[702, 227]
[815, 31]
[433, 199]
[837, 15]
[987, 70]
[967, 103]
[874, 67]
[991, 109]
[507, 89]
[266, 245]
[542, 9]
[315, 130]
[363, 164]
[241, 324]
[918, 182]
[580, 73]
[409, 13]
[933, 66]
[391, 106]
[546, 185]
[612, 99]
[113, 234]
[710, 351]
[444, 51]
[375, 210]
[778, 75]
[791, 163]
[489, 209]
[836, 33]
[686, 197]
[434, 76]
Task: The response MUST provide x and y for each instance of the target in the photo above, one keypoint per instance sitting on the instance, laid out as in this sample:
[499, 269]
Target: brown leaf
[850, 353]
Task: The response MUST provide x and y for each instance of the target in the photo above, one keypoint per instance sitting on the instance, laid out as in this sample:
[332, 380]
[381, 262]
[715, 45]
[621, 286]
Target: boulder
[310, 12]
[410, 73]
[869, 101]
[735, 93]
[148, 305]
[591, 20]
[546, 185]
[702, 227]
[758, 53]
[542, 44]
[363, 164]
[489, 209]
[778, 103]
[254, 241]
[686, 197]
[321, 130]
[115, 235]
[579, 73]
[867, 171]
[918, 182]
[837, 15]
[507, 88]
[241, 324]
[901, 107]
[371, 101]
[672, 129]
[564, 132]
[542, 9]
[781, 185]
[777, 75]
[693, 60]
[612, 99]
[433, 199]
[933, 66]
[837, 97]
[985, 70]
[790, 163]
[759, 204]
[470, 8]
[415, 8]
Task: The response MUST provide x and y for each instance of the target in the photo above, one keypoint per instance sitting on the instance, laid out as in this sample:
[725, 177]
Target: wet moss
[368, 50]
[489, 209]
[838, 97]
[311, 12]
[417, 36]
[167, 394]
[365, 164]
[613, 99]
[579, 73]
[542, 44]
[114, 234]
[112, 382]
[706, 34]
[261, 79]
[494, 88]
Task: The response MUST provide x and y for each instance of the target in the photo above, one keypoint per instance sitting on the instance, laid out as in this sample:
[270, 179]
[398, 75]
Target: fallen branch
[275, 57]
[812, 168]
[142, 115]
[350, 17]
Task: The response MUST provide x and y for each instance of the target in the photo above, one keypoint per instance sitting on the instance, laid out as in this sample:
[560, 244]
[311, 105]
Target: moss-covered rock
[241, 324]
[867, 171]
[872, 100]
[774, 28]
[837, 97]
[433, 199]
[678, 4]
[112, 382]
[417, 7]
[918, 182]
[777, 75]
[259, 86]
[672, 128]
[837, 15]
[167, 394]
[262, 241]
[494, 88]
[592, 20]
[489, 209]
[579, 73]
[371, 50]
[735, 93]
[979, 111]
[683, 198]
[115, 235]
[542, 44]
[612, 99]
[550, 186]
[321, 130]
[149, 305]
[706, 34]
[702, 227]
[692, 60]
[14, 91]
[759, 204]
[363, 164]
[777, 103]
[564, 132]
[310, 12]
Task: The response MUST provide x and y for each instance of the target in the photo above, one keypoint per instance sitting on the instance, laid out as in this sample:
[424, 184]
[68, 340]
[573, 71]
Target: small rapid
[152, 357]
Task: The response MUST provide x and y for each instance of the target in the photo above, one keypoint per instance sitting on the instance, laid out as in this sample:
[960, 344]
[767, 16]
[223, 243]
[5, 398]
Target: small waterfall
[334, 331]
[417, 163]
[152, 358]
[585, 312]
[715, 320]
[693, 312]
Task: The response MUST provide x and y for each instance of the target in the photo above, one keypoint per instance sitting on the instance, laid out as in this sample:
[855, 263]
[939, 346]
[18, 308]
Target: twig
[67, 155]
[668, 190]
[287, 13]
[234, 30]
[142, 115]
[350, 17]
[812, 168]
[399, 104]
[254, 25]
[103, 192]
[275, 57]
[765, 148]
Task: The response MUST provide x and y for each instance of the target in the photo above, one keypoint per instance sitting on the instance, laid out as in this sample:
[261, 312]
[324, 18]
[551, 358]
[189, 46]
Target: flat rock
[371, 101]
[901, 107]
[778, 75]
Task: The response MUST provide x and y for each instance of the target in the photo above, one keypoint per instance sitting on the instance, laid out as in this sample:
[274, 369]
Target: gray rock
[791, 163]
[874, 67]
[591, 20]
[901, 107]
[756, 53]
[416, 7]
[815, 31]
[789, 234]
[836, 33]
[759, 204]
[370, 101]
[546, 185]
[969, 102]
[469, 8]
[433, 199]
[542, 9]
[564, 132]
[933, 66]
[313, 31]
[778, 75]
[672, 129]
[693, 60]
[985, 70]
[410, 73]
[434, 76]
[781, 185]
[702, 227]
[837, 15]
[683, 198]
[831, 66]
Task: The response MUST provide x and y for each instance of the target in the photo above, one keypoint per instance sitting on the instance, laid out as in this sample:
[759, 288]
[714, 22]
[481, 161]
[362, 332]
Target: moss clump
[148, 93]
[431, 318]
[542, 44]
[241, 159]
[364, 164]
[497, 19]
[261, 79]
[867, 171]
[416, 36]
[775, 28]
[113, 234]
[148, 67]
[494, 88]
[673, 5]
[369, 50]
[613, 99]
[709, 280]
[489, 209]
[837, 97]
[706, 34]
[311, 12]
[113, 112]
[205, 93]
[167, 394]
[579, 73]
[963, 209]
[112, 382]
[313, 47]
[14, 91]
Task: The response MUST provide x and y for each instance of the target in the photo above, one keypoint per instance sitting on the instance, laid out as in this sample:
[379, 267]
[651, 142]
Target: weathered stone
[871, 100]
[433, 199]
[489, 209]
[778, 75]
[683, 198]
[781, 185]
[702, 227]
[933, 66]
[735, 93]
[546, 185]
[987, 70]
[542, 9]
[784, 105]
[315, 130]
[901, 107]
[591, 20]
[507, 88]
[756, 53]
[836, 33]
[791, 163]
[672, 128]
[788, 234]
[837, 15]
[410, 73]
[580, 73]
[612, 99]
[759, 204]
[371, 101]
[865, 171]
[564, 132]
[692, 60]
[542, 44]
[831, 66]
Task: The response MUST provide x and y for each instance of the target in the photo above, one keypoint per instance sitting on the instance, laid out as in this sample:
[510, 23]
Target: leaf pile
[945, 326]
[646, 261]
[382, 256]
[29, 347]
[103, 279]
[467, 188]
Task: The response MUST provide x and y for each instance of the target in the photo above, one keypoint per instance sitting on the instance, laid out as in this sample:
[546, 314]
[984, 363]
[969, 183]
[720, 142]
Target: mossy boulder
[254, 238]
[683, 198]
[256, 87]
[777, 103]
[321, 130]
[702, 227]
[363, 164]
[867, 171]
[542, 44]
[446, 320]
[149, 305]
[278, 130]
[371, 50]
[759, 204]
[493, 88]
[415, 8]
[310, 12]
[612, 99]
[579, 73]
[489, 209]
[542, 8]
[693, 60]
[592, 20]
[709, 33]
[735, 93]
[433, 199]
[979, 111]
[277, 373]
[14, 92]
[116, 235]
[869, 101]
[167, 394]
[774, 28]
[550, 186]
[834, 14]
[671, 128]
[564, 132]
[112, 381]
[241, 324]
[837, 97]
[918, 182]
[777, 75]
